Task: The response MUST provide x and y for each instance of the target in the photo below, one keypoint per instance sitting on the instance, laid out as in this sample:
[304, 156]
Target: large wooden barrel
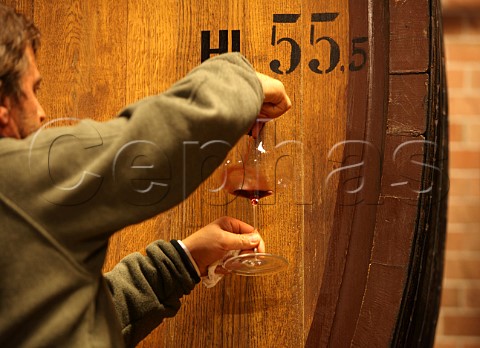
[360, 210]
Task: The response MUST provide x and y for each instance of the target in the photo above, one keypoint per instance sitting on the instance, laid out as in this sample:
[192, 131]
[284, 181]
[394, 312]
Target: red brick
[464, 187]
[455, 78]
[462, 228]
[471, 345]
[452, 25]
[440, 344]
[464, 159]
[462, 325]
[473, 133]
[450, 297]
[463, 52]
[456, 132]
[462, 269]
[446, 345]
[462, 7]
[471, 24]
[464, 105]
[462, 38]
[463, 213]
[472, 297]
[469, 241]
[476, 79]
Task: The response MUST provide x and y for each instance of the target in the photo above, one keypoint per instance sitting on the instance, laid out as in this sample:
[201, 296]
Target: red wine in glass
[253, 195]
[247, 183]
[252, 177]
[251, 184]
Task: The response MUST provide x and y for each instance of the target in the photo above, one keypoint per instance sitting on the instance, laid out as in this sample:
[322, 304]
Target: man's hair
[16, 34]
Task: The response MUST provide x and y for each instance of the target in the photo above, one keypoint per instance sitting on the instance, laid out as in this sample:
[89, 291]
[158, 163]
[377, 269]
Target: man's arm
[147, 289]
[96, 178]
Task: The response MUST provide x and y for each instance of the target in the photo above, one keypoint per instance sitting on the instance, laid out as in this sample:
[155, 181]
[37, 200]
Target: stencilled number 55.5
[359, 55]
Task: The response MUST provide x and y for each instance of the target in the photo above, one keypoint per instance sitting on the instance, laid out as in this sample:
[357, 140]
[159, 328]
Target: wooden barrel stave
[353, 282]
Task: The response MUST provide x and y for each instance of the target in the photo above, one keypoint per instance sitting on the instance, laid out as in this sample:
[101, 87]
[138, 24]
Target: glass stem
[255, 221]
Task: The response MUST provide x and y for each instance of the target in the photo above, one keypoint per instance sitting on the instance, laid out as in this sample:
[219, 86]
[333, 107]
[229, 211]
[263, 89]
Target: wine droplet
[254, 201]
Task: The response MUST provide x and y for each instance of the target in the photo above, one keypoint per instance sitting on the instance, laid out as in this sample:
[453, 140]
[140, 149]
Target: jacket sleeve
[147, 289]
[84, 183]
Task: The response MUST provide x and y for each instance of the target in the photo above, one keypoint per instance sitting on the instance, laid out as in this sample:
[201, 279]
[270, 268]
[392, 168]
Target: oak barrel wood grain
[359, 206]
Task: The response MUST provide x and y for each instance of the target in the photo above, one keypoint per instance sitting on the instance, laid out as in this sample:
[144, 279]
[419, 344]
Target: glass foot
[256, 264]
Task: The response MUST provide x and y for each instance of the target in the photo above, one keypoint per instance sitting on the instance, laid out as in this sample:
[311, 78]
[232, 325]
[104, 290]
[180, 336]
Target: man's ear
[4, 115]
[4, 112]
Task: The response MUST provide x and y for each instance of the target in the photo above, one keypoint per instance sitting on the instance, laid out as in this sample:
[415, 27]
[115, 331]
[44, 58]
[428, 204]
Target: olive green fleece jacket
[65, 190]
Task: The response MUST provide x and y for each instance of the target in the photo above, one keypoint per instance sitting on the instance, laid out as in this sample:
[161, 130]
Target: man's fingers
[244, 241]
[256, 129]
[261, 246]
[276, 101]
[271, 110]
[242, 235]
[233, 225]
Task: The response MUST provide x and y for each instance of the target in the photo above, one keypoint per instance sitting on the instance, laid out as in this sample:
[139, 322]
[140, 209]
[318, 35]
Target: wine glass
[252, 177]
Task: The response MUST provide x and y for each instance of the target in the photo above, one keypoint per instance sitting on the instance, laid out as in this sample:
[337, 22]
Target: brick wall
[459, 322]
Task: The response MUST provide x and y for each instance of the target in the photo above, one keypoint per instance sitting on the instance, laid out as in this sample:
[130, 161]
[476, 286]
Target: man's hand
[276, 101]
[212, 242]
